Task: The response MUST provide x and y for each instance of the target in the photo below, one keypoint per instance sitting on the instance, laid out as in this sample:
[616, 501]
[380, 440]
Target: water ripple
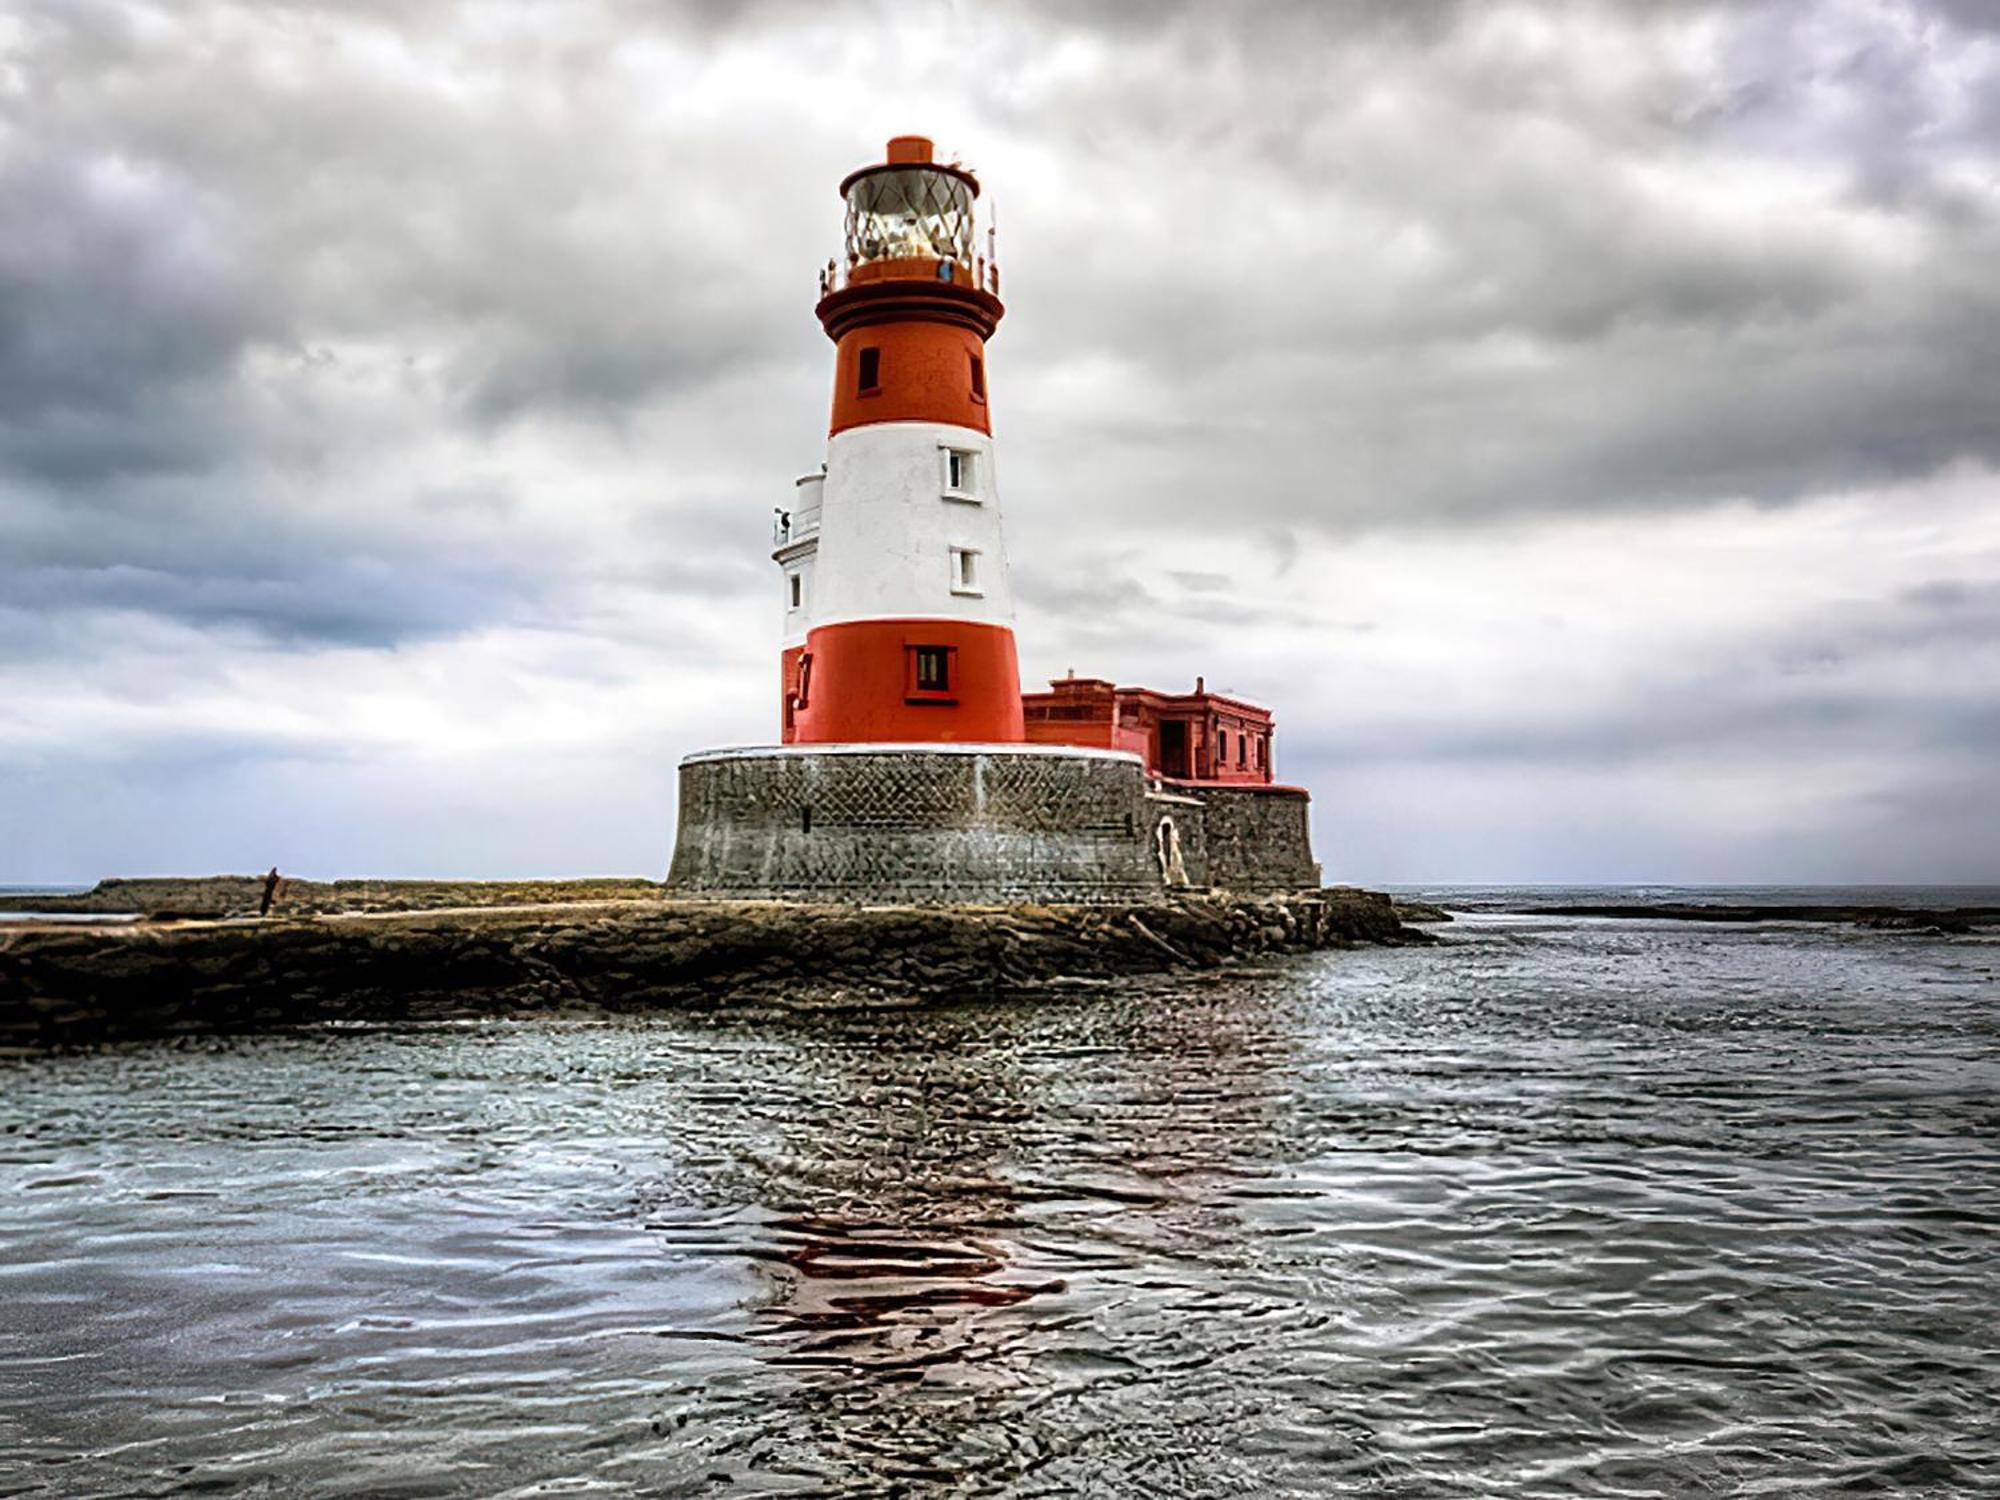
[1559, 1209]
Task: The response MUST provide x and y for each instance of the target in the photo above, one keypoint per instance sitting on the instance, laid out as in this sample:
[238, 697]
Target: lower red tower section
[904, 682]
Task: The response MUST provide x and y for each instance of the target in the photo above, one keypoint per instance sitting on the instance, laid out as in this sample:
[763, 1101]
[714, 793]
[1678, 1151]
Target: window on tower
[964, 570]
[870, 375]
[798, 589]
[929, 676]
[978, 378]
[958, 471]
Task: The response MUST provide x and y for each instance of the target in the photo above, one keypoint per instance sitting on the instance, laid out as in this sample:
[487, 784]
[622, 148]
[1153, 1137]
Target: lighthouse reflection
[902, 1262]
[969, 1195]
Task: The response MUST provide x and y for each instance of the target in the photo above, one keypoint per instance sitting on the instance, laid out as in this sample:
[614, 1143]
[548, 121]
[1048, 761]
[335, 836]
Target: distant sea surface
[1557, 1207]
[1503, 897]
[8, 915]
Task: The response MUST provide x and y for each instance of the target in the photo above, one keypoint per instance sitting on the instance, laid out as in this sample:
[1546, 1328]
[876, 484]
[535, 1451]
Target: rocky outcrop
[170, 897]
[76, 985]
[1420, 911]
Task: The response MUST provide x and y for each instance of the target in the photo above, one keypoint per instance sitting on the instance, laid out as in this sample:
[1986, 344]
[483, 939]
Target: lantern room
[910, 217]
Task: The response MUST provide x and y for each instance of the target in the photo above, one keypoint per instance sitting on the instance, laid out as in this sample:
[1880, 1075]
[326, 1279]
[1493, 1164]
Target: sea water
[8, 914]
[1558, 1207]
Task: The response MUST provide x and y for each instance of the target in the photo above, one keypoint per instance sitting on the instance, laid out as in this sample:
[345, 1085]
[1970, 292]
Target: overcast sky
[1579, 422]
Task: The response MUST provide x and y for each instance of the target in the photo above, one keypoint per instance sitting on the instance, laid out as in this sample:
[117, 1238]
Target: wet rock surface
[170, 897]
[1420, 911]
[74, 985]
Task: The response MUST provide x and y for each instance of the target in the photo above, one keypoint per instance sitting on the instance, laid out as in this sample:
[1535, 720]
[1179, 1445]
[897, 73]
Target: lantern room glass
[909, 213]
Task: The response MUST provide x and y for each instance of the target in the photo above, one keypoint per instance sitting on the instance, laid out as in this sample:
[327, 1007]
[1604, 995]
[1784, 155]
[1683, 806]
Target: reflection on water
[1562, 1208]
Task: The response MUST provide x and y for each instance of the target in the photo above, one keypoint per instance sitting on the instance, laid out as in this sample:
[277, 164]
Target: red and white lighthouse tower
[898, 616]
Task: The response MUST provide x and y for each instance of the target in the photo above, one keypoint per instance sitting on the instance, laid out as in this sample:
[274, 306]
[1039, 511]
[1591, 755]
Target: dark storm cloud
[1455, 259]
[262, 255]
[199, 204]
[347, 601]
[1643, 255]
[122, 310]
[1973, 15]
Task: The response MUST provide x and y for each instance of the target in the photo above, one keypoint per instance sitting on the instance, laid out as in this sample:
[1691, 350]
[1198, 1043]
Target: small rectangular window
[1221, 747]
[964, 570]
[1242, 750]
[871, 370]
[961, 474]
[933, 669]
[798, 584]
[978, 378]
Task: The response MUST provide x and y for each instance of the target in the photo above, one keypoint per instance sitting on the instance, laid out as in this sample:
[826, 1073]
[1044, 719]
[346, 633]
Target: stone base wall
[1257, 838]
[964, 823]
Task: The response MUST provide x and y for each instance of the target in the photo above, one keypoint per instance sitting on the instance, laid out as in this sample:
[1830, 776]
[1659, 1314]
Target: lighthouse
[911, 767]
[898, 616]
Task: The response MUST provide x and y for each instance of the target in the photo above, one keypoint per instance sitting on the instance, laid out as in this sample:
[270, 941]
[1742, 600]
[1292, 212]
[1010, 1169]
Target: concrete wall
[959, 823]
[1257, 838]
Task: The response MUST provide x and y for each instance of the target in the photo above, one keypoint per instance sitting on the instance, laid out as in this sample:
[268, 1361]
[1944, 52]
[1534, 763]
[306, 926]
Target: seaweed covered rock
[64, 985]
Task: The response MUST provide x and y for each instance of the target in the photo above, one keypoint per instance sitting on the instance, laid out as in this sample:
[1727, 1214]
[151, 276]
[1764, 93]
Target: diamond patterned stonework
[972, 824]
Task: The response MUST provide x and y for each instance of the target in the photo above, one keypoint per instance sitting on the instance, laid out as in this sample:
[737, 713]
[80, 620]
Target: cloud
[1541, 258]
[378, 383]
